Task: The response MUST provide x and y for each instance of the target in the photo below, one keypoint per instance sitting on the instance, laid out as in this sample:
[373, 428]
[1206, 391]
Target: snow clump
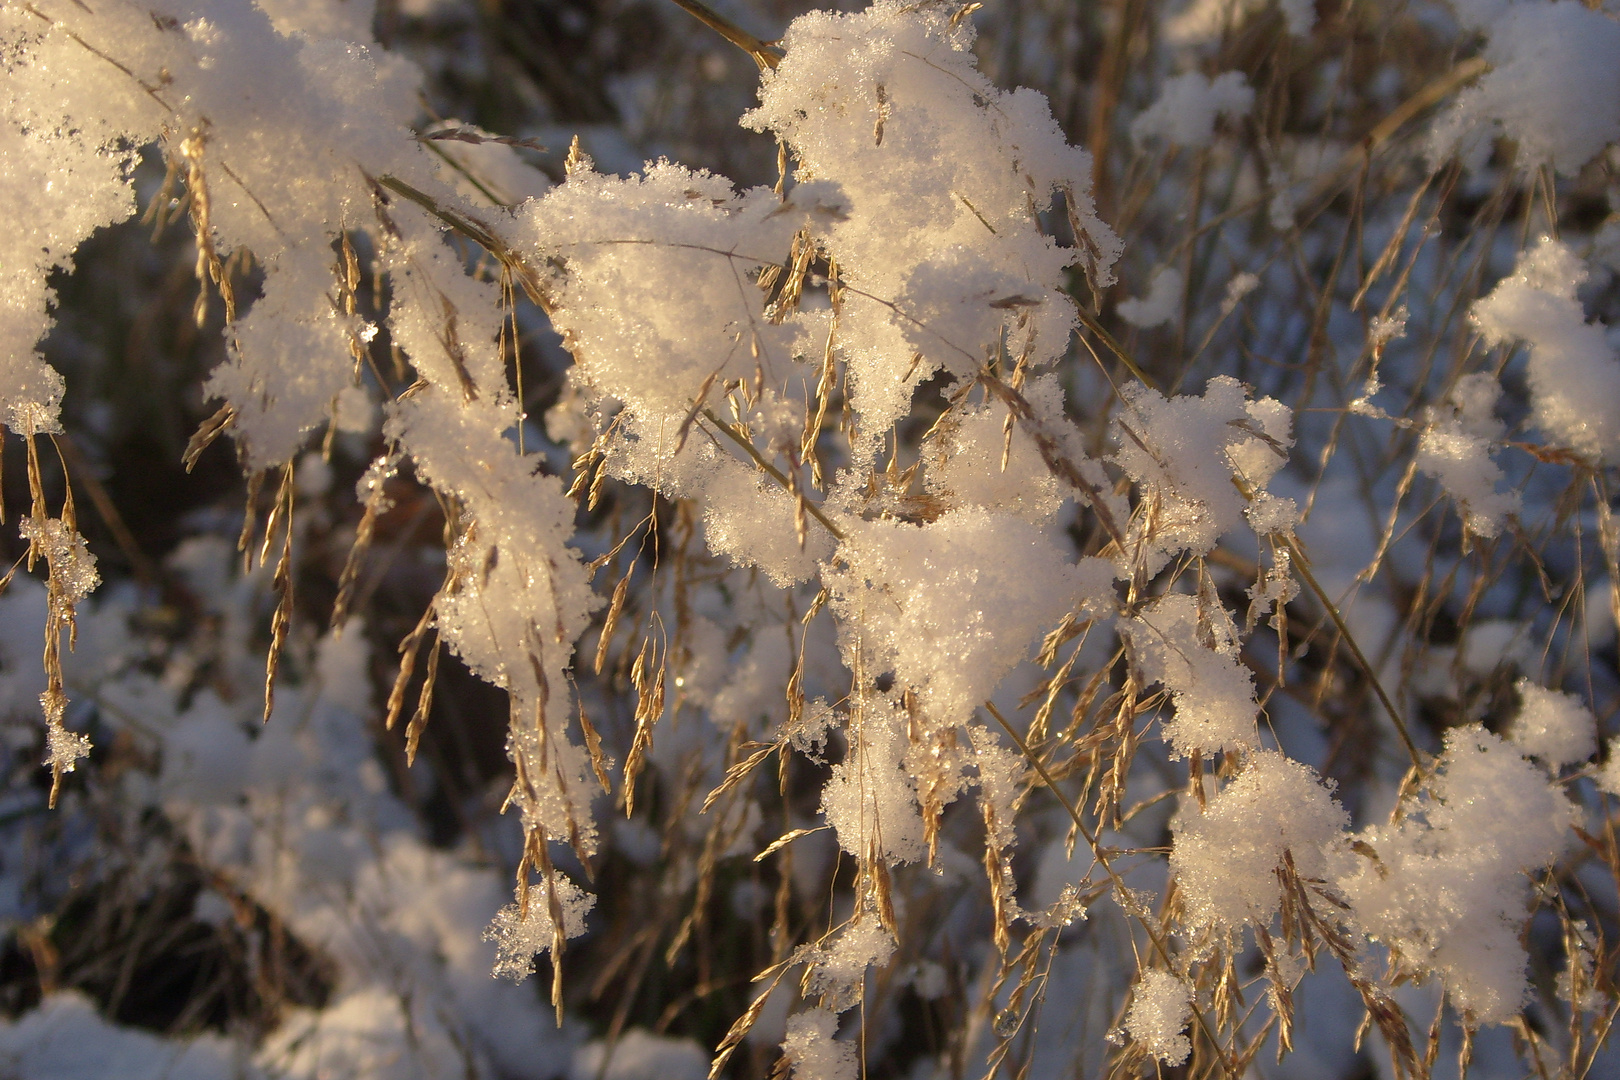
[1188, 106]
[1455, 449]
[1226, 853]
[1573, 371]
[1446, 888]
[1160, 1009]
[1160, 305]
[1553, 87]
[1553, 726]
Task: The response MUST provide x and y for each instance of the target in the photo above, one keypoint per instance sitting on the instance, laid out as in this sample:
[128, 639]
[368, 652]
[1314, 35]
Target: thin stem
[1304, 568]
[774, 473]
[763, 53]
[1098, 853]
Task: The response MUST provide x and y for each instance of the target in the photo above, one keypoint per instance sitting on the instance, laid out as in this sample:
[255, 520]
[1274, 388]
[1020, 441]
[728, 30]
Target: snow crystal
[64, 749]
[1574, 373]
[1553, 726]
[73, 569]
[1384, 329]
[520, 936]
[1226, 854]
[1161, 1008]
[815, 1054]
[1272, 515]
[1188, 106]
[1161, 304]
[837, 971]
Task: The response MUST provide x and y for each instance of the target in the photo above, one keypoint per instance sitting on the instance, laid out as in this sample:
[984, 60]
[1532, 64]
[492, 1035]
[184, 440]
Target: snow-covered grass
[916, 541]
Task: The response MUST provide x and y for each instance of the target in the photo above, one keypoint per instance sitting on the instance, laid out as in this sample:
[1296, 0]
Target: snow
[837, 969]
[1608, 777]
[953, 605]
[1551, 88]
[1455, 449]
[1226, 854]
[521, 935]
[64, 1038]
[1553, 726]
[965, 466]
[1574, 372]
[815, 1054]
[1161, 1007]
[871, 798]
[751, 519]
[1192, 649]
[1202, 21]
[1184, 453]
[640, 1055]
[880, 102]
[1447, 887]
[1161, 304]
[1187, 107]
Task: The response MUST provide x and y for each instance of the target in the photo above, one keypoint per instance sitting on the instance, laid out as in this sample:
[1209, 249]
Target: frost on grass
[1161, 1008]
[758, 355]
[1445, 889]
[1573, 371]
[1226, 853]
[521, 931]
[836, 970]
[232, 96]
[72, 576]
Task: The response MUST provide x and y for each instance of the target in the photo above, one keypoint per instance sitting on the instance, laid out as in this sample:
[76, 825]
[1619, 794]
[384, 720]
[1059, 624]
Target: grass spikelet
[281, 585]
